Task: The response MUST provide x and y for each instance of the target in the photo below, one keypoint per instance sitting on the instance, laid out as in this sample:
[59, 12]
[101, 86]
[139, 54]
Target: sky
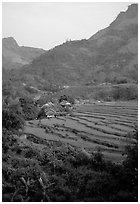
[48, 24]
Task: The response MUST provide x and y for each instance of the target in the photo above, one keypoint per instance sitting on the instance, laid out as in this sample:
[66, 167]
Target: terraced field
[103, 126]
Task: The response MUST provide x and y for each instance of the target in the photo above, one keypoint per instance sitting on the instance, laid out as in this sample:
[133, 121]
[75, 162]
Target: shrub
[8, 140]
[66, 98]
[124, 92]
[50, 171]
[29, 110]
[11, 120]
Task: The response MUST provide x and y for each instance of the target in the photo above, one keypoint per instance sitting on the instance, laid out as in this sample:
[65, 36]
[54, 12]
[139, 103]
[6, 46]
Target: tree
[11, 120]
[29, 110]
[66, 98]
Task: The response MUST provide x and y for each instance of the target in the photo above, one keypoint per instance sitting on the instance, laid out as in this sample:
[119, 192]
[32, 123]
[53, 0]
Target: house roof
[65, 103]
[47, 104]
[50, 112]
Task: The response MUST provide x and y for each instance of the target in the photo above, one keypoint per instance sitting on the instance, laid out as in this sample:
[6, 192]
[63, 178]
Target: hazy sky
[46, 25]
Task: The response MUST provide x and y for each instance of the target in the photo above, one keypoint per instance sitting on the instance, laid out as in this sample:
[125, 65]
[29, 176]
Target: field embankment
[103, 126]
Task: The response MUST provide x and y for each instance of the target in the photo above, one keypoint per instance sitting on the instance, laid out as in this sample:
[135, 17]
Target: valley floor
[91, 127]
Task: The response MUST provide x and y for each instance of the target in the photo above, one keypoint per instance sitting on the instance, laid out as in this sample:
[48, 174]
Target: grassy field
[91, 127]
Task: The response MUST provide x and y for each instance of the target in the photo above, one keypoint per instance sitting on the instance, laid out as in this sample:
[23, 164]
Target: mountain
[15, 56]
[111, 55]
[119, 44]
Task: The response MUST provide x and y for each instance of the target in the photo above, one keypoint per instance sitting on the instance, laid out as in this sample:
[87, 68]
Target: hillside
[120, 41]
[70, 116]
[15, 56]
[108, 56]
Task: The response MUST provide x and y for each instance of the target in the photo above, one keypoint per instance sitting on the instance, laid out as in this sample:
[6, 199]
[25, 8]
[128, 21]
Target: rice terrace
[70, 102]
[101, 126]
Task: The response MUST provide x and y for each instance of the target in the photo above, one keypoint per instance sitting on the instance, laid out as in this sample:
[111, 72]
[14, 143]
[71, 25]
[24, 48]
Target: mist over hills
[15, 56]
[111, 55]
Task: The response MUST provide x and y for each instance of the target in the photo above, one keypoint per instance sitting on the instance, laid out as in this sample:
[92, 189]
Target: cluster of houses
[64, 107]
[50, 110]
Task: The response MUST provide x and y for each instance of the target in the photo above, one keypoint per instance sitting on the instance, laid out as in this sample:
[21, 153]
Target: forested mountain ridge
[70, 118]
[15, 56]
[108, 56]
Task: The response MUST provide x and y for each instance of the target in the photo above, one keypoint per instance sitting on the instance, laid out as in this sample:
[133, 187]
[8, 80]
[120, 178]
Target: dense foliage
[12, 117]
[37, 170]
[125, 92]
[66, 98]
[34, 169]
[29, 109]
[118, 92]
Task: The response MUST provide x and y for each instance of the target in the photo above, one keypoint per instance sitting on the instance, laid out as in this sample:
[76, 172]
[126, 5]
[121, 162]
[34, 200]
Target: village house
[67, 106]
